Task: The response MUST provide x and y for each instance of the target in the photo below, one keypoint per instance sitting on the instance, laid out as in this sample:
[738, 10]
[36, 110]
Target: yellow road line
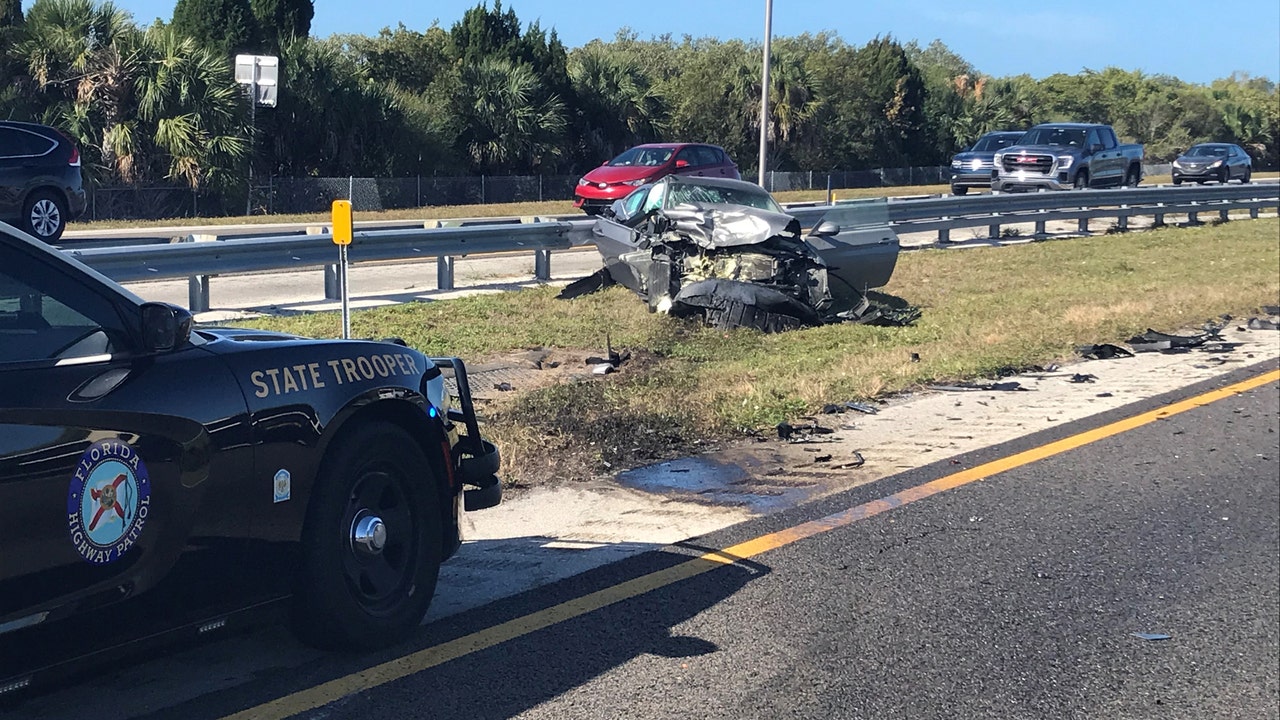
[390, 671]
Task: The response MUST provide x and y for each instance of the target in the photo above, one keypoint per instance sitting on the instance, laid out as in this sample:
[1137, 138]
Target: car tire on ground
[1225, 176]
[1177, 181]
[1132, 177]
[45, 216]
[1082, 180]
[371, 544]
[1248, 175]
[959, 190]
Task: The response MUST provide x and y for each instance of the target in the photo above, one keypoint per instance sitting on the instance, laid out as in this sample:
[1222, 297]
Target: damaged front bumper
[476, 460]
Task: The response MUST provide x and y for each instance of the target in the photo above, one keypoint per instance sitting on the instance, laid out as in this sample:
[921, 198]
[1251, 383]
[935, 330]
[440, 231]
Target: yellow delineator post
[342, 231]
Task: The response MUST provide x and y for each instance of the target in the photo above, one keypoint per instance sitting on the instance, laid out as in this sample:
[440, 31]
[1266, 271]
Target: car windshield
[641, 156]
[991, 143]
[1054, 136]
[748, 195]
[1207, 151]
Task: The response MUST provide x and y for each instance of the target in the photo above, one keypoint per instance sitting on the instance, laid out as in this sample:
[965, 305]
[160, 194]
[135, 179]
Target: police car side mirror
[164, 326]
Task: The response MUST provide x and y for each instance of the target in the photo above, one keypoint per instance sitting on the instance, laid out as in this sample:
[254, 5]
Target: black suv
[40, 186]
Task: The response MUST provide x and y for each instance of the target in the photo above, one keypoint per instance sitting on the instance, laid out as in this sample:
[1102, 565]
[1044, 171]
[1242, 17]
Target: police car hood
[250, 335]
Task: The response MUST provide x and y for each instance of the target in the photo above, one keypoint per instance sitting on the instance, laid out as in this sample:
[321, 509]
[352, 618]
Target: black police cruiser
[137, 453]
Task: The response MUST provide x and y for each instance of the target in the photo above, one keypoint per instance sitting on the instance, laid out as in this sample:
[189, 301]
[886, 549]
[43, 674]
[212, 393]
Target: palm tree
[189, 100]
[619, 106]
[509, 123]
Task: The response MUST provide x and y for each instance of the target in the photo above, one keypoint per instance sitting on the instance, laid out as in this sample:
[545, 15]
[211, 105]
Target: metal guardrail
[200, 260]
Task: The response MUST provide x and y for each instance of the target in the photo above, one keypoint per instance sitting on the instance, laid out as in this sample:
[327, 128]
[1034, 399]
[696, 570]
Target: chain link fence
[284, 196]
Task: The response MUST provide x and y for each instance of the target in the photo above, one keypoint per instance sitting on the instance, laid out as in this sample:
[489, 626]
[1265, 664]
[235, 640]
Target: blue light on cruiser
[431, 410]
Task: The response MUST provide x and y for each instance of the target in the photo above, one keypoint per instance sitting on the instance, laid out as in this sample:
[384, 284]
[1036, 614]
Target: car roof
[33, 127]
[1213, 144]
[712, 181]
[12, 235]
[673, 145]
[1079, 125]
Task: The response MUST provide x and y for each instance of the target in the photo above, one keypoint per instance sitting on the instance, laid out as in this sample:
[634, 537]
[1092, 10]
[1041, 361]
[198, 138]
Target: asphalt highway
[1012, 582]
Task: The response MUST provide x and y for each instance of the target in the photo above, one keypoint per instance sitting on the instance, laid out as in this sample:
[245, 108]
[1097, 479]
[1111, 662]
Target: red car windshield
[642, 157]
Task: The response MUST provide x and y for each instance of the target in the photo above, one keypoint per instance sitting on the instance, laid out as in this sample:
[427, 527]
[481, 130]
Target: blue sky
[1195, 40]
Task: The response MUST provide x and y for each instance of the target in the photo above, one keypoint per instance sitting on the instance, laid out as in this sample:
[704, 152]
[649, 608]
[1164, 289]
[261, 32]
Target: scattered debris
[862, 408]
[503, 387]
[1155, 341]
[915, 357]
[1103, 351]
[602, 369]
[1257, 323]
[1083, 378]
[857, 462]
[1150, 636]
[801, 433]
[822, 458]
[1104, 394]
[1006, 386]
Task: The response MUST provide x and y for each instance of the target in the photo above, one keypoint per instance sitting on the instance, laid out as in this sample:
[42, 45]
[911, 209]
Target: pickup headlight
[1065, 162]
[957, 163]
[998, 159]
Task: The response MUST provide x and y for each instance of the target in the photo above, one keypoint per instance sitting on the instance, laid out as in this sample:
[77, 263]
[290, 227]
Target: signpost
[342, 231]
[261, 73]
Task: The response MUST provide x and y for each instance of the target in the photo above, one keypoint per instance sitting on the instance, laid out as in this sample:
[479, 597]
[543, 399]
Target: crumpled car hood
[711, 226]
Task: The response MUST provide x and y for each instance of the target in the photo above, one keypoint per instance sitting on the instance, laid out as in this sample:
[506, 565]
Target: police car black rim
[380, 557]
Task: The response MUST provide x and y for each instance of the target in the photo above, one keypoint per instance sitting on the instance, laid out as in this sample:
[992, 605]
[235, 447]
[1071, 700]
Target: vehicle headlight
[1065, 162]
[999, 158]
[1216, 163]
[1177, 164]
[636, 183]
[957, 163]
[583, 181]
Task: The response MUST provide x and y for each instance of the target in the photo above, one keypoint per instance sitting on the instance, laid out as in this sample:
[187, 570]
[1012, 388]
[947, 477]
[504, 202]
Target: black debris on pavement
[1103, 351]
[503, 387]
[1083, 378]
[1006, 386]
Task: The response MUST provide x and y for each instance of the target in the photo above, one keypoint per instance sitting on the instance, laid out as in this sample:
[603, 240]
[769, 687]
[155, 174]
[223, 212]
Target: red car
[645, 164]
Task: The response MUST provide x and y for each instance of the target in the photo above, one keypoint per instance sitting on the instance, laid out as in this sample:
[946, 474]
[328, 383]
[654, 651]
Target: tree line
[158, 104]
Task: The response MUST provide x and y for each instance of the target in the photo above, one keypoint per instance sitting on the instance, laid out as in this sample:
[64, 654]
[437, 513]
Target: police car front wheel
[371, 545]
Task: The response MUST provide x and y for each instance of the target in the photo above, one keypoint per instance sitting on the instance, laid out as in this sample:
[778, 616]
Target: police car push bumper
[480, 459]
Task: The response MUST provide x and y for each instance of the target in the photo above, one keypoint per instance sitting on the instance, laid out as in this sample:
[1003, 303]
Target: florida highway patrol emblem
[108, 501]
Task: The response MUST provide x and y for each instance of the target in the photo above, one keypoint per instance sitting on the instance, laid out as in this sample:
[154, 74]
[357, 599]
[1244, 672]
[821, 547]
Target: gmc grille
[1035, 163]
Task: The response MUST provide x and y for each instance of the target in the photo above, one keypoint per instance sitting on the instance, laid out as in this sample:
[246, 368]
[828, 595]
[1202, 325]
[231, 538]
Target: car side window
[707, 156]
[631, 204]
[1092, 139]
[46, 316]
[688, 155]
[20, 143]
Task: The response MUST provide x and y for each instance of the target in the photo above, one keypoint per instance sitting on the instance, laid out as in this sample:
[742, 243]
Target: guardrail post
[1193, 217]
[198, 285]
[332, 282]
[1222, 214]
[542, 265]
[1122, 218]
[198, 293]
[944, 235]
[993, 232]
[1041, 230]
[1159, 218]
[444, 272]
[1253, 213]
[1083, 225]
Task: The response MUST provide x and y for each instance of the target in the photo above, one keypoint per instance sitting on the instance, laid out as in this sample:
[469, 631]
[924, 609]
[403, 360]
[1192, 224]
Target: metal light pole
[764, 87]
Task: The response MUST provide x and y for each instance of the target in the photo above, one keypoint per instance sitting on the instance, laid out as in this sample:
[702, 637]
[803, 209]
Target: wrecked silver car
[725, 251]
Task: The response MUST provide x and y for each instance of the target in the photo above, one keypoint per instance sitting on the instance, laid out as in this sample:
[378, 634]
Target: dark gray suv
[40, 185]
